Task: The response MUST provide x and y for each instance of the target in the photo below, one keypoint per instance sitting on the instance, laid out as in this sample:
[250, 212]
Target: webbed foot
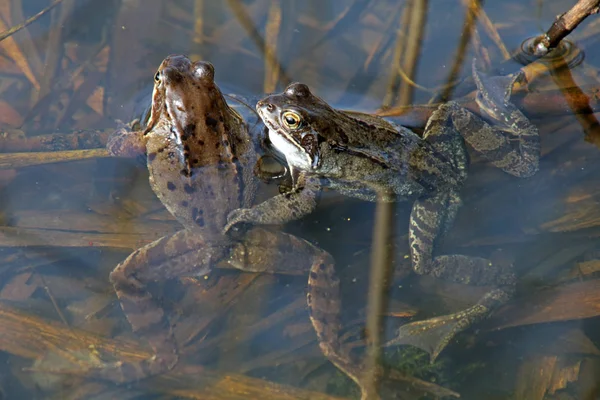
[510, 142]
[125, 372]
[87, 364]
[434, 334]
[238, 216]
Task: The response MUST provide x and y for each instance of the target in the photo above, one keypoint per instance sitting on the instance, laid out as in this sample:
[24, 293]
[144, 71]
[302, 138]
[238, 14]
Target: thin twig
[398, 54]
[492, 32]
[55, 48]
[198, 36]
[564, 25]
[465, 38]
[272, 31]
[564, 80]
[246, 22]
[413, 49]
[54, 303]
[381, 270]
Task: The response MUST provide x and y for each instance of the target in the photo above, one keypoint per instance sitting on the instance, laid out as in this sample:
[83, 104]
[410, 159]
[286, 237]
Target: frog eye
[291, 119]
[205, 70]
[298, 90]
[157, 77]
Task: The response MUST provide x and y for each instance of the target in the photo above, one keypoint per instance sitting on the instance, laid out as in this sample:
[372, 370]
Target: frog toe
[119, 372]
[433, 335]
[236, 217]
[125, 372]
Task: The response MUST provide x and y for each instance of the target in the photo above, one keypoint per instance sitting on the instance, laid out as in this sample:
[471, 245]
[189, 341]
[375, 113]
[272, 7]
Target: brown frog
[361, 155]
[200, 155]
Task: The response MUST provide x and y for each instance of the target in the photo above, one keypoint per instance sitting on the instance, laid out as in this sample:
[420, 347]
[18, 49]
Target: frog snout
[265, 106]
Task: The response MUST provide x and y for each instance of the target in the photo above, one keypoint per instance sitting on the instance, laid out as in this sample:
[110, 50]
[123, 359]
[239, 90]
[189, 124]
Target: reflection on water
[66, 225]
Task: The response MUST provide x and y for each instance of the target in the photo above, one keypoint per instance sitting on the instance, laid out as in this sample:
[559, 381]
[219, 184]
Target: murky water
[66, 225]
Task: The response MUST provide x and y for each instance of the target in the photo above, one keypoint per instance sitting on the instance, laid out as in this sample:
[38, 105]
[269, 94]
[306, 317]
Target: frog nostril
[270, 107]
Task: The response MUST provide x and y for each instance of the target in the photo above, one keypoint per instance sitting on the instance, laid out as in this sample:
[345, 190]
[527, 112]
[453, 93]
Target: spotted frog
[200, 155]
[365, 156]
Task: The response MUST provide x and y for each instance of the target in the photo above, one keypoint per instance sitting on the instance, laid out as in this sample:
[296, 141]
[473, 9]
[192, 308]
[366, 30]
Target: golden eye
[291, 119]
[157, 77]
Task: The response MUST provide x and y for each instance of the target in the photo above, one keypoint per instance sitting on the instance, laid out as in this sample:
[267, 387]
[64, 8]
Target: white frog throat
[295, 156]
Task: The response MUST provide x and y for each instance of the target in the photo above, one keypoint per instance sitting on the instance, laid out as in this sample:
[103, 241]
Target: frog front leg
[126, 143]
[428, 221]
[300, 201]
[263, 250]
[184, 253]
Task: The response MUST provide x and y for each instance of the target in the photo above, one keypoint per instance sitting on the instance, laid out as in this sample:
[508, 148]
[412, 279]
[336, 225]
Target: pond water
[70, 75]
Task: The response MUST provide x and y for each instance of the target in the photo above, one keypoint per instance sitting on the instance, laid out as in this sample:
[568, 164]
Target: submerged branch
[19, 160]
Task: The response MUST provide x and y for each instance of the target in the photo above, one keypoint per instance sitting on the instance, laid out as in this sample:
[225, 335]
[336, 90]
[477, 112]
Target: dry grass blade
[24, 237]
[413, 50]
[262, 325]
[472, 14]
[491, 31]
[398, 54]
[55, 48]
[535, 376]
[589, 123]
[538, 104]
[244, 19]
[19, 160]
[16, 141]
[16, 28]
[10, 47]
[381, 271]
[198, 37]
[346, 20]
[28, 336]
[271, 34]
[569, 302]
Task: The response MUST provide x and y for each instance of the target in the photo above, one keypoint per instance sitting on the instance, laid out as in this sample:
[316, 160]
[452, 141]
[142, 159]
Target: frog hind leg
[428, 221]
[183, 253]
[270, 251]
[266, 251]
[324, 304]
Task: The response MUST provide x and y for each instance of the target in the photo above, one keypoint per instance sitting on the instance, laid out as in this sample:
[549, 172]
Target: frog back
[200, 188]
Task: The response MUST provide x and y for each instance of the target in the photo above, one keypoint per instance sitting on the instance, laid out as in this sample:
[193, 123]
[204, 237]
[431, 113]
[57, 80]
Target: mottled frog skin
[362, 156]
[200, 155]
